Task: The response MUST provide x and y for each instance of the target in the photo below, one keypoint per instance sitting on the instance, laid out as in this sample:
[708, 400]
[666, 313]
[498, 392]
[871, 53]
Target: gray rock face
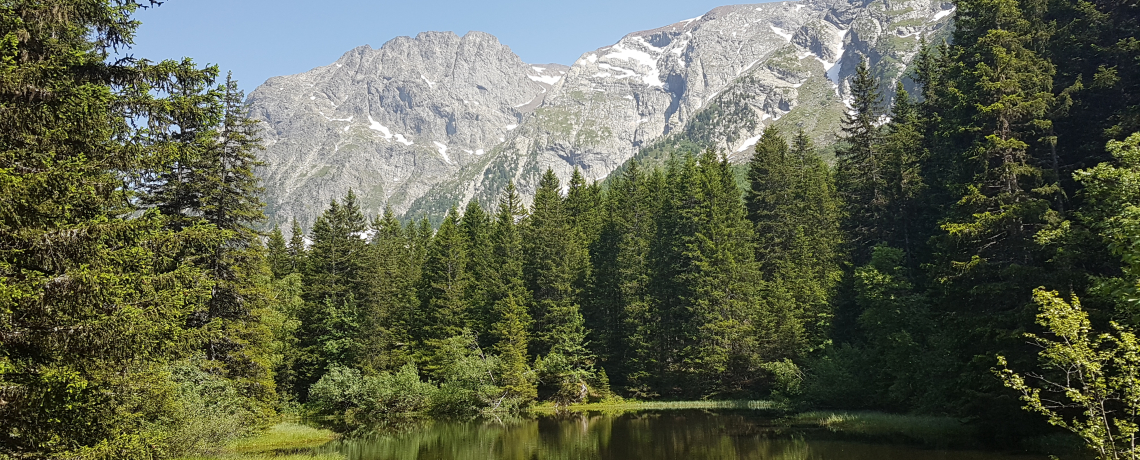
[427, 123]
[392, 122]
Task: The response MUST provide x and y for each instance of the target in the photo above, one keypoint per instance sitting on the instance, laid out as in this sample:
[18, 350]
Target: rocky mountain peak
[425, 123]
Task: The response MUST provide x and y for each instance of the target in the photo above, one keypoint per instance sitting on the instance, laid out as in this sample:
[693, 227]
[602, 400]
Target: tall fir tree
[859, 165]
[904, 152]
[793, 206]
[297, 247]
[335, 290]
[476, 227]
[97, 285]
[555, 266]
[617, 309]
[511, 299]
[709, 306]
[277, 254]
[390, 313]
[443, 311]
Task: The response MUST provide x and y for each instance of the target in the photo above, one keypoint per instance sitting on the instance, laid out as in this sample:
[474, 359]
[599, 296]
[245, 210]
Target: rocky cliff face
[427, 123]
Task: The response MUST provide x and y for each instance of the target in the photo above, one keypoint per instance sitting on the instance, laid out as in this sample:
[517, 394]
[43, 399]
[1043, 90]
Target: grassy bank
[284, 441]
[933, 431]
[631, 405]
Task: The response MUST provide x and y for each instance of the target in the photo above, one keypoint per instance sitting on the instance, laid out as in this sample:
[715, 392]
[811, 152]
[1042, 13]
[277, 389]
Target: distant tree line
[143, 316]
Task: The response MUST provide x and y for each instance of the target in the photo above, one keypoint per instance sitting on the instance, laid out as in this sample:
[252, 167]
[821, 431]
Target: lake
[657, 435]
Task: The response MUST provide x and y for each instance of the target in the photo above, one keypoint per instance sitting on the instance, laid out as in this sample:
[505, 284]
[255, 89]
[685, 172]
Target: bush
[344, 391]
[468, 377]
[213, 410]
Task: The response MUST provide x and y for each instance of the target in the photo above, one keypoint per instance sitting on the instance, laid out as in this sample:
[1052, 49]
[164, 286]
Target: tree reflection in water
[658, 435]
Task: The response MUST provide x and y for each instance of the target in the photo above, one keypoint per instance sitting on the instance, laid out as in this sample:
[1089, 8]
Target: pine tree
[555, 267]
[277, 254]
[510, 299]
[476, 228]
[859, 171]
[443, 285]
[393, 298]
[335, 287]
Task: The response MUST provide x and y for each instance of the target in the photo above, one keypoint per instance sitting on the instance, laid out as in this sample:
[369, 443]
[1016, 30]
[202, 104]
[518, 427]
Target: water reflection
[662, 435]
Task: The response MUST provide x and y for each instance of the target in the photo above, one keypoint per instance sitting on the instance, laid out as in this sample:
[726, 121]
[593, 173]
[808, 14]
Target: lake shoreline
[290, 440]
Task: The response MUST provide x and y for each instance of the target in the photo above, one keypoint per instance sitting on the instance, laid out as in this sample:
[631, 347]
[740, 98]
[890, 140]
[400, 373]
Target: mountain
[425, 123]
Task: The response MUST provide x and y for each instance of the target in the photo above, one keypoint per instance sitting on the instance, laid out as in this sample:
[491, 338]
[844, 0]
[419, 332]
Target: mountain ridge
[425, 123]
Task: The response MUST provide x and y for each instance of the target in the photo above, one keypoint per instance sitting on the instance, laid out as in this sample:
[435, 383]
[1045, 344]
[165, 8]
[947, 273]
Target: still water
[657, 435]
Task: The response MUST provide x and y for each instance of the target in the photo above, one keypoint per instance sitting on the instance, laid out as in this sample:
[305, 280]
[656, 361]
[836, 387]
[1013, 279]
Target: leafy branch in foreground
[1092, 388]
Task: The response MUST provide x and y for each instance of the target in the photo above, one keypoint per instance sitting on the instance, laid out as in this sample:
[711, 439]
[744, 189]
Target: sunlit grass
[269, 456]
[283, 436]
[631, 405]
[279, 442]
[941, 431]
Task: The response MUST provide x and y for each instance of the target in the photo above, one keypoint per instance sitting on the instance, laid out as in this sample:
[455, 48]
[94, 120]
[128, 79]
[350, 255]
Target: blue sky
[258, 39]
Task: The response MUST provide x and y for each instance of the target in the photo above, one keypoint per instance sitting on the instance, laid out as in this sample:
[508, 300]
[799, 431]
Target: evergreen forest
[972, 251]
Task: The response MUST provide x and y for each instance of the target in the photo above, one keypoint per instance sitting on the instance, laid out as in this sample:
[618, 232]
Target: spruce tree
[711, 308]
[297, 247]
[859, 165]
[393, 296]
[989, 256]
[584, 207]
[903, 154]
[476, 228]
[96, 289]
[277, 254]
[511, 299]
[617, 309]
[335, 290]
[795, 212]
[443, 288]
[555, 267]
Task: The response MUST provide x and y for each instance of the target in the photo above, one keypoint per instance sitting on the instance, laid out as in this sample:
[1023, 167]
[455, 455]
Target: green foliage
[1090, 384]
[1113, 214]
[344, 391]
[793, 206]
[127, 246]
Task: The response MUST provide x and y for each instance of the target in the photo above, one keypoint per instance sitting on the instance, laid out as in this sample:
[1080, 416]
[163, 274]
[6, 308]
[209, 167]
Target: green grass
[630, 405]
[280, 442]
[264, 456]
[935, 431]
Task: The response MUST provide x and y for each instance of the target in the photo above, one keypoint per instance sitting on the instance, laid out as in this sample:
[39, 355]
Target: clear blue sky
[258, 39]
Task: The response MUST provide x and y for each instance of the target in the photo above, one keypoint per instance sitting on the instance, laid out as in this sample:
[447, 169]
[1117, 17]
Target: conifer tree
[96, 289]
[476, 228]
[335, 283]
[859, 165]
[795, 211]
[555, 266]
[712, 316]
[277, 254]
[584, 207]
[903, 154]
[443, 287]
[510, 299]
[617, 311]
[296, 247]
[393, 299]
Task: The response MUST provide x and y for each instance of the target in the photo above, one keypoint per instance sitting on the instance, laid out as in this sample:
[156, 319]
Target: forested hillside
[141, 316]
